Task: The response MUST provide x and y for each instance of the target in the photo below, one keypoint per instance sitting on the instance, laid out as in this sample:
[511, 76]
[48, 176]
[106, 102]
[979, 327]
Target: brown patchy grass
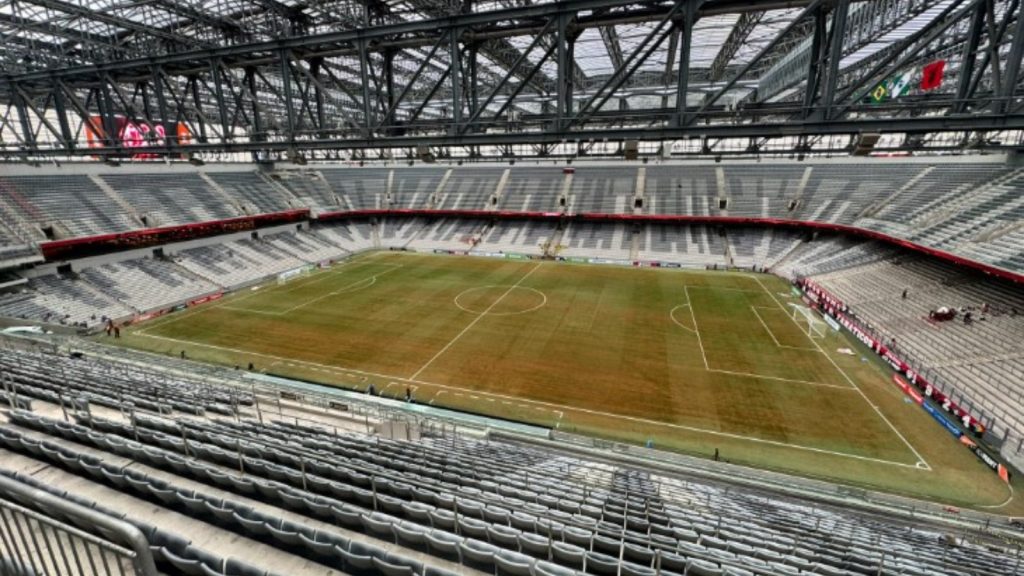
[601, 355]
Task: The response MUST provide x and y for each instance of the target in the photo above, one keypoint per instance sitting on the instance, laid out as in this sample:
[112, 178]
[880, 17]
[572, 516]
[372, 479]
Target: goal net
[294, 273]
[808, 321]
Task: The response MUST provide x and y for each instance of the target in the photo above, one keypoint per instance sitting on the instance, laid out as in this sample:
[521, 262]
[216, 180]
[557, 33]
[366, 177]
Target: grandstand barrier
[904, 385]
[204, 299]
[106, 243]
[949, 426]
[987, 459]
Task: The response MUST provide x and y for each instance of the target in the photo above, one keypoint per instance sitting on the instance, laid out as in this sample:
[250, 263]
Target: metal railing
[35, 544]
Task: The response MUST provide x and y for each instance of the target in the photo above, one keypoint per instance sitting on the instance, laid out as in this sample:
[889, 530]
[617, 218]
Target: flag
[900, 85]
[878, 94]
[931, 75]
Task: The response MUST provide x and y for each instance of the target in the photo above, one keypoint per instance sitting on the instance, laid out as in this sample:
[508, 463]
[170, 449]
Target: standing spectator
[904, 293]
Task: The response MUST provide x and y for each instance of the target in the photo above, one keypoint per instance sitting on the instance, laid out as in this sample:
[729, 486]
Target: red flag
[931, 75]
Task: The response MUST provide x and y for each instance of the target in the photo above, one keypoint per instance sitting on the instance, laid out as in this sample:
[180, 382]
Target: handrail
[123, 538]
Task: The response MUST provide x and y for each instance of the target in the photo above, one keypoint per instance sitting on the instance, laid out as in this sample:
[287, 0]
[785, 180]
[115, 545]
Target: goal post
[809, 322]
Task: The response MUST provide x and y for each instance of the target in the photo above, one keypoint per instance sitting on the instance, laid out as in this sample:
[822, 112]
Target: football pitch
[690, 361]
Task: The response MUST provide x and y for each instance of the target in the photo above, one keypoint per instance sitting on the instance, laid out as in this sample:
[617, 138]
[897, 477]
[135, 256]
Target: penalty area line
[842, 372]
[556, 408]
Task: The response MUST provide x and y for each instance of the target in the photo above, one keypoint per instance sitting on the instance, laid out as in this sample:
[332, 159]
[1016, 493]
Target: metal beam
[737, 38]
[1012, 74]
[506, 23]
[990, 122]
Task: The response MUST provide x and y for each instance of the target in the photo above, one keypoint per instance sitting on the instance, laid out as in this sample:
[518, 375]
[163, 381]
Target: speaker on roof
[424, 154]
[631, 149]
[865, 143]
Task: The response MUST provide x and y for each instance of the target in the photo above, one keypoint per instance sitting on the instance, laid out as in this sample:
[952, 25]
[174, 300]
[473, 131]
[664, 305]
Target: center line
[473, 323]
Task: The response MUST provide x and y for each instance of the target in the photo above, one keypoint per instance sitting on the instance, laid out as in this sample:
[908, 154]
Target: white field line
[748, 374]
[696, 329]
[772, 334]
[473, 323]
[766, 328]
[781, 379]
[597, 307]
[729, 288]
[552, 406]
[672, 315]
[1004, 502]
[235, 298]
[229, 302]
[357, 285]
[878, 410]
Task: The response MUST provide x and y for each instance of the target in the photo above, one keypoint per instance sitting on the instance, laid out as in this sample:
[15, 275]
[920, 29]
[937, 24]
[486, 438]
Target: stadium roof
[240, 72]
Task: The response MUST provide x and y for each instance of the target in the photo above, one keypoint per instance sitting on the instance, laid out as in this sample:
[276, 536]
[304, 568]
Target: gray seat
[697, 567]
[195, 505]
[577, 536]
[637, 553]
[347, 517]
[525, 521]
[168, 497]
[410, 534]
[535, 545]
[670, 561]
[283, 535]
[292, 500]
[602, 564]
[185, 565]
[225, 515]
[442, 519]
[568, 554]
[496, 515]
[477, 552]
[503, 536]
[417, 511]
[379, 525]
[241, 485]
[513, 564]
[354, 560]
[254, 527]
[606, 545]
[473, 528]
[322, 548]
[390, 569]
[542, 568]
[441, 543]
[630, 569]
[321, 509]
[389, 504]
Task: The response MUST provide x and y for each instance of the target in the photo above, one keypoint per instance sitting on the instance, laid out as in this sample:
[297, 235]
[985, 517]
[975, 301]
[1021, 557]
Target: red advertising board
[907, 388]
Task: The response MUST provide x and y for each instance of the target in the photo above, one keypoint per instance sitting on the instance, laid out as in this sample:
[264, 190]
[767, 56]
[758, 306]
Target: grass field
[691, 361]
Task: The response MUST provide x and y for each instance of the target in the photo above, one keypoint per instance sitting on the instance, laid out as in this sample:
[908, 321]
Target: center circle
[500, 300]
